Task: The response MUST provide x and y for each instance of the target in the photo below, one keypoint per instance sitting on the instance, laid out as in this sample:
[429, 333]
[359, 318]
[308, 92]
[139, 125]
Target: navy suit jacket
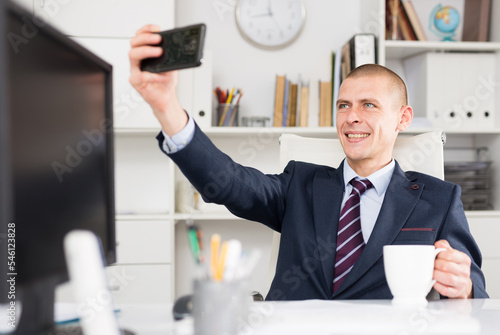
[303, 203]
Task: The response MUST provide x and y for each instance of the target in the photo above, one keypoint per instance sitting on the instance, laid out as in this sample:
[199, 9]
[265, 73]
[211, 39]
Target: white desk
[315, 317]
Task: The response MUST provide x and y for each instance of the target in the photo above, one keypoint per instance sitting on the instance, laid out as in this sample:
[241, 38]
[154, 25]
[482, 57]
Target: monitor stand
[37, 314]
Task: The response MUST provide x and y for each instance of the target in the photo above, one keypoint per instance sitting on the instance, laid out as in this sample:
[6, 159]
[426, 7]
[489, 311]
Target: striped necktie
[350, 241]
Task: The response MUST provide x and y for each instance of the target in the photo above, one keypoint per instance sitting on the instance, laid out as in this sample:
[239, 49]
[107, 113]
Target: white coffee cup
[409, 271]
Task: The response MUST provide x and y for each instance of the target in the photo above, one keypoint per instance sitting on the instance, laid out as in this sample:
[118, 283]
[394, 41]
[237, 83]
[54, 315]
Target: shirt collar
[380, 179]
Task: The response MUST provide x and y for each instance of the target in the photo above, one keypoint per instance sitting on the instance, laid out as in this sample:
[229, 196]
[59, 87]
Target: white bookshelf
[483, 224]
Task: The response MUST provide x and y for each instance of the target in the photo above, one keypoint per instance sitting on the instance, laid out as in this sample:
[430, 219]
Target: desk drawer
[141, 283]
[144, 241]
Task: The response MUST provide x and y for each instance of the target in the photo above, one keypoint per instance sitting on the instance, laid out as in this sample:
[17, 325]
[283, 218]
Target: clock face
[270, 23]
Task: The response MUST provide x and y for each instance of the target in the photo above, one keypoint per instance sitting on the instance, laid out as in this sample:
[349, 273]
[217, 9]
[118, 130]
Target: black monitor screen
[60, 145]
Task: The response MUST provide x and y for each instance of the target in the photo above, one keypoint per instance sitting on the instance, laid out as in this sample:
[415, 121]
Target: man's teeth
[357, 135]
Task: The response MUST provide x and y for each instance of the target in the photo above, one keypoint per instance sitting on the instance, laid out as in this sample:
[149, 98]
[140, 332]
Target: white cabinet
[143, 182]
[486, 228]
[143, 175]
[141, 283]
[146, 240]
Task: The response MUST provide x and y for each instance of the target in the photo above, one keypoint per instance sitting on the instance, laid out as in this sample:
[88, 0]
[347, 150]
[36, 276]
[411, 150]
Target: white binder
[455, 91]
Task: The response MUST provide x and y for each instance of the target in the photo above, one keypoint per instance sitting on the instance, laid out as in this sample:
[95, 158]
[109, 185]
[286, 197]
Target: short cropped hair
[367, 70]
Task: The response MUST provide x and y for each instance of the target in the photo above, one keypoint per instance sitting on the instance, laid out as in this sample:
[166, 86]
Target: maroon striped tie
[350, 241]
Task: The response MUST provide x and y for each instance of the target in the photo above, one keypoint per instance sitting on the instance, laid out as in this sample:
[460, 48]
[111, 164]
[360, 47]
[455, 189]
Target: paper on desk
[340, 317]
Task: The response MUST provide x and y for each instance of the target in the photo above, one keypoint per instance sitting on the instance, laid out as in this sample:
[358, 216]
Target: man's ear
[405, 117]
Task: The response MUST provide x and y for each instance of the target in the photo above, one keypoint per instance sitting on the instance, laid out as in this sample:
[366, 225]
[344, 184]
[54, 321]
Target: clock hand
[261, 15]
[277, 23]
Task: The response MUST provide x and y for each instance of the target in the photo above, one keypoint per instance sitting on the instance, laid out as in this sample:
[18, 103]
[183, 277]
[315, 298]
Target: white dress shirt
[371, 200]
[181, 139]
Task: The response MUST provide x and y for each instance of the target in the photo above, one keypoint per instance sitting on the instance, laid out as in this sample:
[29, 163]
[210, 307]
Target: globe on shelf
[443, 22]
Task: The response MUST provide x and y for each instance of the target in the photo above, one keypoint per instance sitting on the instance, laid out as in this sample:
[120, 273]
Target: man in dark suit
[304, 202]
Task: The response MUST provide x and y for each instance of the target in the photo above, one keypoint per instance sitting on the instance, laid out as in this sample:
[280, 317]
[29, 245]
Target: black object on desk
[183, 307]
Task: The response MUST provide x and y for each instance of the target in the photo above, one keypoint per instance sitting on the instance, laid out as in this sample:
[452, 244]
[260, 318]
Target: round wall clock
[270, 24]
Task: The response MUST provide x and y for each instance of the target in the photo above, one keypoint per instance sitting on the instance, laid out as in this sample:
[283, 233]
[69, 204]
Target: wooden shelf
[404, 49]
[137, 131]
[214, 216]
[322, 132]
[142, 217]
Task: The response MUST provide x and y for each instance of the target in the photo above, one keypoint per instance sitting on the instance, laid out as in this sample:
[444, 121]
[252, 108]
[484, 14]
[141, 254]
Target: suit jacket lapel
[400, 200]
[328, 187]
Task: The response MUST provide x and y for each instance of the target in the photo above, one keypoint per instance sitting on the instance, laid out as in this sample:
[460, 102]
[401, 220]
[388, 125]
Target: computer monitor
[57, 157]
[4, 199]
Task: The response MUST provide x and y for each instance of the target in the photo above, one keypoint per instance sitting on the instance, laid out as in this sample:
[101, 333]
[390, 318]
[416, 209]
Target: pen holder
[227, 115]
[219, 307]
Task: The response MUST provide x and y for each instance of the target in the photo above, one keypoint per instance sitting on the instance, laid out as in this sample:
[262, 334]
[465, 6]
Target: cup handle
[436, 252]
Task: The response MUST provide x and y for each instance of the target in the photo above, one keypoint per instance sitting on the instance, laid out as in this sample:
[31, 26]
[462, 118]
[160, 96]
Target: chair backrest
[422, 153]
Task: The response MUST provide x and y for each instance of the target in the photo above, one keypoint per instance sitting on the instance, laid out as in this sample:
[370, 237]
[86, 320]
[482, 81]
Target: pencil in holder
[227, 115]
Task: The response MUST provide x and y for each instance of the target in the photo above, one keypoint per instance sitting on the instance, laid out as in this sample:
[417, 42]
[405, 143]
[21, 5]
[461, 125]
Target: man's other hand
[452, 272]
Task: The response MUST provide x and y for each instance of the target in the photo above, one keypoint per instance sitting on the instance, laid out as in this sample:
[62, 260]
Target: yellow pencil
[214, 254]
[228, 102]
[222, 262]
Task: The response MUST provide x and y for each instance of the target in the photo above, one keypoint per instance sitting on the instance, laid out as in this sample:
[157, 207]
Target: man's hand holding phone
[182, 49]
[158, 89]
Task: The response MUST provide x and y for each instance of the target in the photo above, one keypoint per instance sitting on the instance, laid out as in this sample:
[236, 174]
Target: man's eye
[369, 104]
[343, 106]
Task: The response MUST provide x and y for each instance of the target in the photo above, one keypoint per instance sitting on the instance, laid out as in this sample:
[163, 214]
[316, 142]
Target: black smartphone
[182, 49]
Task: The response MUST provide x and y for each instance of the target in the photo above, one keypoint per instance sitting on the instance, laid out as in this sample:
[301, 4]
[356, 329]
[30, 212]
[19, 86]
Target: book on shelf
[391, 20]
[279, 97]
[304, 105]
[402, 22]
[336, 80]
[408, 10]
[292, 105]
[287, 100]
[345, 61]
[359, 50]
[476, 20]
[325, 104]
[405, 26]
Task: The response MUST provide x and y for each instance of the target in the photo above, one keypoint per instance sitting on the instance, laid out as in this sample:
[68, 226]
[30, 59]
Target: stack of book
[412, 20]
[359, 50]
[402, 21]
[291, 102]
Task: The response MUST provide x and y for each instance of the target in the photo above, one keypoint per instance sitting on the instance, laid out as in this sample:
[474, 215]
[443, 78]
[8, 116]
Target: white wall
[329, 23]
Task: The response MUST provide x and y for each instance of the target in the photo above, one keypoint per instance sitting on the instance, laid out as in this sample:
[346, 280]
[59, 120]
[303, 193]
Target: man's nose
[353, 115]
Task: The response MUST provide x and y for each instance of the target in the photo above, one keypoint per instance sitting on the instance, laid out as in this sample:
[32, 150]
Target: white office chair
[422, 153]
